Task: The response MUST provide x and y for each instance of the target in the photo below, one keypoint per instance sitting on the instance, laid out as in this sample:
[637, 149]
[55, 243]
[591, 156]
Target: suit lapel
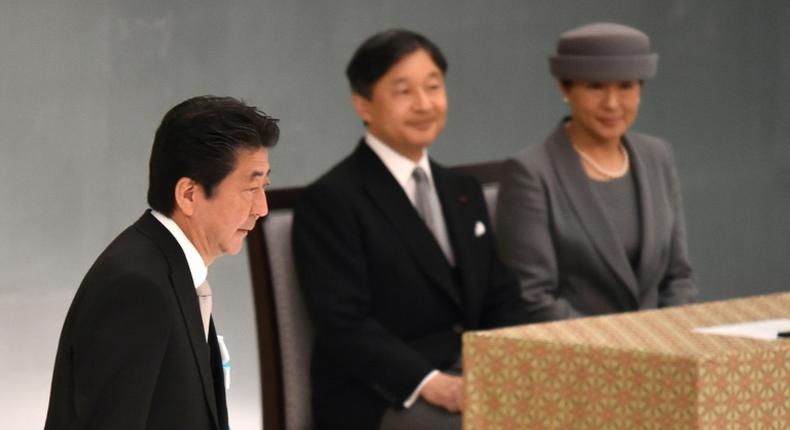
[589, 210]
[388, 196]
[459, 229]
[218, 375]
[184, 289]
[649, 252]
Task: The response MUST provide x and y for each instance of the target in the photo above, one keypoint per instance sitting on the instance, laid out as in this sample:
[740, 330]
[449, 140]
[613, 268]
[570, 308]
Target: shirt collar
[197, 267]
[399, 166]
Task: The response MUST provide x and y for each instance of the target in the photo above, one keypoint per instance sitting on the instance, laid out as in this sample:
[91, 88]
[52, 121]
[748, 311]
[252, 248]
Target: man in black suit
[395, 254]
[138, 349]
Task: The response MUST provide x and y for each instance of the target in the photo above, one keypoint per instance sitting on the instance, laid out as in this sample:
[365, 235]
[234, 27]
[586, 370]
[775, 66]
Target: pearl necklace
[608, 174]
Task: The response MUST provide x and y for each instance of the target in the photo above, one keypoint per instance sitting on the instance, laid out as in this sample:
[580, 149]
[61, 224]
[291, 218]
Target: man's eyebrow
[404, 80]
[259, 173]
[435, 75]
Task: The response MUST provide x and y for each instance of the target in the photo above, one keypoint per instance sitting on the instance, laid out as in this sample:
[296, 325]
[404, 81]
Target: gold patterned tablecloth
[642, 370]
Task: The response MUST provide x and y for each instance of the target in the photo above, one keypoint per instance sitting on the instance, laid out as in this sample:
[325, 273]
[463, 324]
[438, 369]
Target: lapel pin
[462, 199]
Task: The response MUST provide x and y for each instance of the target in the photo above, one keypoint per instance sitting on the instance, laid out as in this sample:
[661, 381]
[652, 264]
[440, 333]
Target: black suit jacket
[386, 305]
[132, 354]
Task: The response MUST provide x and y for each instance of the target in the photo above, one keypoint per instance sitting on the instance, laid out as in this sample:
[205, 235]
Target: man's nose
[421, 100]
[260, 206]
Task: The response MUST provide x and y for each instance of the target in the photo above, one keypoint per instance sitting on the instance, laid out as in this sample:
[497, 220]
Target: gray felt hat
[603, 52]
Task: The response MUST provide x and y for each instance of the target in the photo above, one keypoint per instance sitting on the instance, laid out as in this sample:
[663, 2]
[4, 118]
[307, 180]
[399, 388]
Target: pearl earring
[565, 100]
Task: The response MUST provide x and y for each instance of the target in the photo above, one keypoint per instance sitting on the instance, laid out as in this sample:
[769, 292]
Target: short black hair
[381, 51]
[200, 139]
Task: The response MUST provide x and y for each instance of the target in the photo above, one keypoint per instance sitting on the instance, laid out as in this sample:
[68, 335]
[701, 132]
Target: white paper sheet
[763, 330]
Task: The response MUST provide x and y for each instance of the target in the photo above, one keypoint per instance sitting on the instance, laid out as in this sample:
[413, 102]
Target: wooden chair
[284, 330]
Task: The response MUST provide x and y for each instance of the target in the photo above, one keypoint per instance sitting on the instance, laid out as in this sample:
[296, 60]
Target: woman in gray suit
[591, 220]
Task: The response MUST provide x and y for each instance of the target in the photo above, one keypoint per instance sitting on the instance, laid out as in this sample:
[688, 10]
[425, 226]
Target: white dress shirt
[197, 267]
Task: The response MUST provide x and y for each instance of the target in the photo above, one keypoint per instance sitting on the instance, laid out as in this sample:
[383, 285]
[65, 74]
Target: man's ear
[186, 192]
[362, 106]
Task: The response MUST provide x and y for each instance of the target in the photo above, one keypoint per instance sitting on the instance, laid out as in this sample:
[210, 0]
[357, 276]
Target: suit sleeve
[678, 286]
[118, 350]
[330, 264]
[526, 245]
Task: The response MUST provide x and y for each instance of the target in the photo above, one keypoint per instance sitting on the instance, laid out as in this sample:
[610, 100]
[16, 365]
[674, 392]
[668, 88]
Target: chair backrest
[284, 331]
[489, 175]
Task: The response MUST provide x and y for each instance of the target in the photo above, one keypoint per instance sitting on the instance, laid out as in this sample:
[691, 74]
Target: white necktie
[204, 297]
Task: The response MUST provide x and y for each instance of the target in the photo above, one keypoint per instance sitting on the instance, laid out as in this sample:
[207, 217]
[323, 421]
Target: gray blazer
[553, 232]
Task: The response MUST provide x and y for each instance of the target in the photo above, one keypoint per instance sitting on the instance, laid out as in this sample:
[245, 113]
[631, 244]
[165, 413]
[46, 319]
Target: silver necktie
[427, 204]
[204, 297]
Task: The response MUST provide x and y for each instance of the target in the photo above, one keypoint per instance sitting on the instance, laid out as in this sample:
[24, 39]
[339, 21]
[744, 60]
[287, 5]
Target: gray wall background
[83, 85]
